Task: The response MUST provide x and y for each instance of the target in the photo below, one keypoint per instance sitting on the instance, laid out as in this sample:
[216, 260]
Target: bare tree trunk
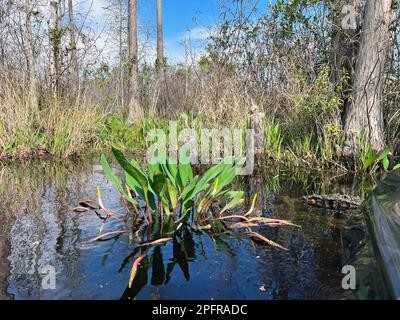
[74, 60]
[121, 55]
[135, 109]
[345, 39]
[364, 117]
[2, 42]
[30, 57]
[55, 44]
[160, 63]
[160, 38]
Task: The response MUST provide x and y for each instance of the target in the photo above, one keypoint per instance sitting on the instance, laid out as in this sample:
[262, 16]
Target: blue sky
[179, 15]
[181, 18]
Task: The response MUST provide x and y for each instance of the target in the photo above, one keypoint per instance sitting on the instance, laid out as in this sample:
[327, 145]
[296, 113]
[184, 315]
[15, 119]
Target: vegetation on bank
[61, 132]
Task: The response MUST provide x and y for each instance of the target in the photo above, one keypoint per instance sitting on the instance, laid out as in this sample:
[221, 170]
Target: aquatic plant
[373, 161]
[169, 195]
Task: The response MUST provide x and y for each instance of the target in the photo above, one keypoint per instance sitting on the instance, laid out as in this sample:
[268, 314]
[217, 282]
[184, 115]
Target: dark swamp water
[38, 229]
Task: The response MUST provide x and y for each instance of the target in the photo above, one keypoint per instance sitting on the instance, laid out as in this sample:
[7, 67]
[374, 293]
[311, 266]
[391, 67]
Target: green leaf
[114, 179]
[152, 168]
[225, 178]
[173, 194]
[134, 185]
[210, 174]
[235, 199]
[384, 154]
[396, 167]
[165, 204]
[159, 181]
[131, 169]
[386, 163]
[167, 172]
[371, 159]
[185, 173]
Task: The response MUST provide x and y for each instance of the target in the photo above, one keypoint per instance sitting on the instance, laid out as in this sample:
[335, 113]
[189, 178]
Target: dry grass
[62, 130]
[16, 118]
[70, 130]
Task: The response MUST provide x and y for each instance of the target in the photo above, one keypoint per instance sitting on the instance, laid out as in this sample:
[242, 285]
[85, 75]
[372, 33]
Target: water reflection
[38, 229]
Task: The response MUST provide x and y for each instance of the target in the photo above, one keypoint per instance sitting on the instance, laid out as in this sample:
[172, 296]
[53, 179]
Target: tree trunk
[121, 55]
[364, 116]
[2, 42]
[345, 40]
[30, 57]
[74, 60]
[160, 62]
[160, 38]
[135, 109]
[55, 44]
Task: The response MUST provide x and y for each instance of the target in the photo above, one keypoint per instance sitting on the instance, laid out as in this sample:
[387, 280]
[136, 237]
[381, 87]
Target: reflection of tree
[158, 271]
[256, 186]
[36, 197]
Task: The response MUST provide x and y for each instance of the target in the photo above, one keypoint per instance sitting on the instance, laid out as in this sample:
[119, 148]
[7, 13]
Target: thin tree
[121, 51]
[55, 45]
[2, 27]
[135, 110]
[364, 116]
[160, 62]
[30, 60]
[160, 38]
[74, 71]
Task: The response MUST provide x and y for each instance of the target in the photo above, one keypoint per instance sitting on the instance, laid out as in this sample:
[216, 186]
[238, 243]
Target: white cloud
[196, 40]
[199, 33]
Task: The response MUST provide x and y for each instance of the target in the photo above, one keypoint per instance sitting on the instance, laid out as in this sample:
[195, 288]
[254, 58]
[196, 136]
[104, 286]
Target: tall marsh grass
[59, 128]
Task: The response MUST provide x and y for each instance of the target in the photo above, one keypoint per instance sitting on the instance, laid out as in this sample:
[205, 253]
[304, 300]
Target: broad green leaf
[159, 181]
[170, 176]
[165, 204]
[225, 178]
[210, 174]
[173, 194]
[386, 163]
[371, 159]
[186, 193]
[152, 168]
[114, 179]
[135, 186]
[131, 169]
[186, 174]
[384, 154]
[235, 199]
